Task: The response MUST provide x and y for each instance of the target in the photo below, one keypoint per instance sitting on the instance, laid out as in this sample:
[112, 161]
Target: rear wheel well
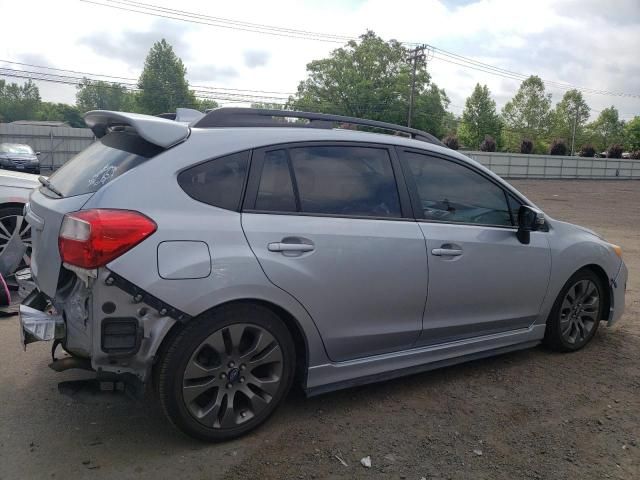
[12, 204]
[299, 339]
[604, 278]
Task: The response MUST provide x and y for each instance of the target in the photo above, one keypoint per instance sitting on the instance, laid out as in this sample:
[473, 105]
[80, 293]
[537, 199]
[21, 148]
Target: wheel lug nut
[223, 375]
[243, 414]
[241, 379]
[229, 385]
[232, 364]
[243, 366]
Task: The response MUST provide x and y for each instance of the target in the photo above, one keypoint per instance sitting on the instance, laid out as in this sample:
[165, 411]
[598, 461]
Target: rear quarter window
[218, 182]
[103, 161]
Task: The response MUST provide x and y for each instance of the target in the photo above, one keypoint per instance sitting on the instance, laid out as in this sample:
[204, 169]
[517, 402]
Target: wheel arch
[12, 205]
[606, 283]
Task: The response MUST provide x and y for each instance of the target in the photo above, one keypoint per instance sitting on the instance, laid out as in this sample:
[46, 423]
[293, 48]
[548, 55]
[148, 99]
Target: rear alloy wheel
[576, 313]
[225, 374]
[15, 240]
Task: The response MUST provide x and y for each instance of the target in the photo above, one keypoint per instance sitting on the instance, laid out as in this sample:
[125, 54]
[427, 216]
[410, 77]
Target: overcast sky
[590, 43]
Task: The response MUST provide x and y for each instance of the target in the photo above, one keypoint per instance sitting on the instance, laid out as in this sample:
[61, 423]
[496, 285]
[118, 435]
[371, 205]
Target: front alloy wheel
[576, 313]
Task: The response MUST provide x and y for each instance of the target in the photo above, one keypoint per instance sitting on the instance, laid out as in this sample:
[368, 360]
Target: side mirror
[529, 220]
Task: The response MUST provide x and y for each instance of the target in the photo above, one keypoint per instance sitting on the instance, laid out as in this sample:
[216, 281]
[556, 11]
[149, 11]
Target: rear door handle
[290, 247]
[446, 252]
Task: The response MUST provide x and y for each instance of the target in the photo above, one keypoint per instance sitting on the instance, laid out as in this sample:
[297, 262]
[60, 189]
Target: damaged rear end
[104, 322]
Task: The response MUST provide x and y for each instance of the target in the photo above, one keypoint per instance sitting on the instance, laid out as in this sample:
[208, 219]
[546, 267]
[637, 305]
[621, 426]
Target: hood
[18, 179]
[578, 227]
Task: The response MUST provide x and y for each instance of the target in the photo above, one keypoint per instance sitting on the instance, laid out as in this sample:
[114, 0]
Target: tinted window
[355, 181]
[275, 192]
[101, 162]
[217, 182]
[453, 193]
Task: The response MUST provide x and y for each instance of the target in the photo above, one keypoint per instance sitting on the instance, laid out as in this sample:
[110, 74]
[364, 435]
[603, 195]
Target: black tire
[187, 349]
[554, 337]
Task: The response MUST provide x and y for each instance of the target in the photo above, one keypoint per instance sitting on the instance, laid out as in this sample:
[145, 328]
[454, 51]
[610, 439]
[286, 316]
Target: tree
[163, 82]
[19, 102]
[632, 134]
[607, 129]
[100, 95]
[526, 146]
[370, 78]
[203, 104]
[614, 151]
[479, 118]
[61, 112]
[570, 115]
[588, 151]
[527, 114]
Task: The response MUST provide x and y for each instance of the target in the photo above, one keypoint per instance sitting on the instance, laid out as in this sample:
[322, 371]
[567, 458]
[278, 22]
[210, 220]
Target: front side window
[344, 180]
[450, 192]
[218, 182]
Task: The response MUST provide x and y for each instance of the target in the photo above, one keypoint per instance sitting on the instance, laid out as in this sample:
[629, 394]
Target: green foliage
[61, 112]
[203, 104]
[370, 78]
[571, 111]
[488, 144]
[615, 151]
[558, 147]
[451, 141]
[479, 118]
[19, 102]
[587, 151]
[163, 82]
[632, 134]
[528, 114]
[526, 146]
[100, 95]
[607, 129]
[635, 155]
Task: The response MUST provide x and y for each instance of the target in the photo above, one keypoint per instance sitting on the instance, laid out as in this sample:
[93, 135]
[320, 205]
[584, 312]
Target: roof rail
[257, 117]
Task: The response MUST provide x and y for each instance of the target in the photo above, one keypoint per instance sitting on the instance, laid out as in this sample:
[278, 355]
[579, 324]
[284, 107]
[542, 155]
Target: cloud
[256, 58]
[132, 46]
[34, 59]
[206, 73]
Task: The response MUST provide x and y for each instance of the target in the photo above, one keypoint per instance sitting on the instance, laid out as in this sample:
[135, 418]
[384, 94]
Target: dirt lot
[531, 414]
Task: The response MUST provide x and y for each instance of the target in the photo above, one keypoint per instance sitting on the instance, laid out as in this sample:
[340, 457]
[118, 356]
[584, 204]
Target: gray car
[16, 156]
[221, 257]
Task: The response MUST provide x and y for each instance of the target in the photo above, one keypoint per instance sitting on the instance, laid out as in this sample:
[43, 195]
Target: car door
[329, 226]
[482, 280]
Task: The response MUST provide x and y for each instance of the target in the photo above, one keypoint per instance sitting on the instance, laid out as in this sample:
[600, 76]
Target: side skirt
[336, 376]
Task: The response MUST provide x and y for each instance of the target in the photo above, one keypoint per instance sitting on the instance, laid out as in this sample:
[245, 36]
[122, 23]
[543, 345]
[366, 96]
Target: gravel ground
[530, 414]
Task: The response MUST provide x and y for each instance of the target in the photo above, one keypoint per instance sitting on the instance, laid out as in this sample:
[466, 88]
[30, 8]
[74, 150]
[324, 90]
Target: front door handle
[290, 247]
[446, 252]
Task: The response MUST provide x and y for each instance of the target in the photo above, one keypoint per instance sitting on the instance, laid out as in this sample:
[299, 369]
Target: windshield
[15, 148]
[103, 161]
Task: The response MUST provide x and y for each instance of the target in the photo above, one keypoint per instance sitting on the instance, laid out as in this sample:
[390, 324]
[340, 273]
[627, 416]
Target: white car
[15, 233]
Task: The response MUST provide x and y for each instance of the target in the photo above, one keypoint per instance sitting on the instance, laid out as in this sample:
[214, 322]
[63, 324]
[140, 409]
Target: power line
[134, 79]
[443, 55]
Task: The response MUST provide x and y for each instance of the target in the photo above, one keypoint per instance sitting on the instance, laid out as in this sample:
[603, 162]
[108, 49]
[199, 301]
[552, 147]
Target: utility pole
[416, 55]
[573, 136]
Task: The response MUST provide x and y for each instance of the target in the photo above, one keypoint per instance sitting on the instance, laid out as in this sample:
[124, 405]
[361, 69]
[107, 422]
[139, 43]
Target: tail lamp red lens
[93, 238]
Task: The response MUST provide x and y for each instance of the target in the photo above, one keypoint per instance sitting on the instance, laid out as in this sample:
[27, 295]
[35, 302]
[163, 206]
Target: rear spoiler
[159, 131]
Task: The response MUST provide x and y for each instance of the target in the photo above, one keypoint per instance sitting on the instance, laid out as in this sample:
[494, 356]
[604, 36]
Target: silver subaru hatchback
[218, 258]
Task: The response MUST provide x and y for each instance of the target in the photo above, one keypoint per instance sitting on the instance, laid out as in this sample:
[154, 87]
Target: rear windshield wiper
[45, 181]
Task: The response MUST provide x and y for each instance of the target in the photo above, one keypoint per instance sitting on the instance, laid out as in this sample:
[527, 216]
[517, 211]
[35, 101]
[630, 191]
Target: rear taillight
[92, 238]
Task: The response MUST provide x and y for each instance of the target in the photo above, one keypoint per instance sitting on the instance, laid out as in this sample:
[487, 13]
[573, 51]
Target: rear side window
[339, 180]
[106, 159]
[275, 192]
[218, 182]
